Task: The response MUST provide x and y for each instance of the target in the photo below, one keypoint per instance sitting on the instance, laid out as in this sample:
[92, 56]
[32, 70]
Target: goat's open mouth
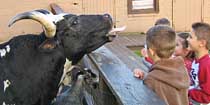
[113, 33]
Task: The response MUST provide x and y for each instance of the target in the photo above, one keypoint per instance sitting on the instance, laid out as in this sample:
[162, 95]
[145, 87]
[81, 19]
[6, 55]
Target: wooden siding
[10, 8]
[181, 13]
[99, 7]
[186, 12]
[206, 11]
[142, 22]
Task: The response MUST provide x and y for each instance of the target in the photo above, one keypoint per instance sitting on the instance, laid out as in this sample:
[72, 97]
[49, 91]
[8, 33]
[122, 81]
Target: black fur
[35, 71]
[74, 94]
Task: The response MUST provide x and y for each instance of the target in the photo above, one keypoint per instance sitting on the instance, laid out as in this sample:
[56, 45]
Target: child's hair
[162, 21]
[202, 31]
[184, 36]
[185, 44]
[161, 38]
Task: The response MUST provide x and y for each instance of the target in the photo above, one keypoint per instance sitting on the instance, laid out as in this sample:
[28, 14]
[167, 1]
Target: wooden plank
[128, 57]
[102, 90]
[127, 89]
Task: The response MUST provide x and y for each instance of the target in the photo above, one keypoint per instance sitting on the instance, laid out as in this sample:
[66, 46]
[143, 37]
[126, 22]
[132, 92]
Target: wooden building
[137, 15]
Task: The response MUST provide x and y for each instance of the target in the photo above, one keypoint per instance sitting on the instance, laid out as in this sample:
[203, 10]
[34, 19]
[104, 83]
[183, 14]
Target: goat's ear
[48, 44]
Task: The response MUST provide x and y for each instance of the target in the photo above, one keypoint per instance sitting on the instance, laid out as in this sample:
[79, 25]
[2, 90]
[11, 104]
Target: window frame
[143, 11]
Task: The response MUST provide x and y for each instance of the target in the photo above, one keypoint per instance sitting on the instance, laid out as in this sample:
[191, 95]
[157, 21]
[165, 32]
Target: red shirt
[148, 59]
[188, 64]
[200, 74]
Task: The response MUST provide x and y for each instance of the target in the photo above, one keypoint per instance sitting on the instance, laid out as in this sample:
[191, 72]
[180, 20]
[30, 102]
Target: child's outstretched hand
[138, 73]
[144, 52]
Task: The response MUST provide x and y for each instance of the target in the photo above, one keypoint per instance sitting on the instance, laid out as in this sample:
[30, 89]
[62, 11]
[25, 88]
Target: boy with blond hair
[167, 77]
[199, 42]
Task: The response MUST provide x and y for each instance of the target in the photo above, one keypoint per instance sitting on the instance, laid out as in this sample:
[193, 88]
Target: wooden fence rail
[114, 64]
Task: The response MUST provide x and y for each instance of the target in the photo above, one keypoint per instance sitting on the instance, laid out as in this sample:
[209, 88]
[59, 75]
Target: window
[142, 6]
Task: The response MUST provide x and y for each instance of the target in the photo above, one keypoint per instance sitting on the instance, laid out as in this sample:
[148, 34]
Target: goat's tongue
[112, 34]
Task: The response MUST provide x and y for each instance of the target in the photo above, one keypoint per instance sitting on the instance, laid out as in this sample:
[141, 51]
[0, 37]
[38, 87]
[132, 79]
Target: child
[168, 78]
[183, 50]
[161, 21]
[199, 42]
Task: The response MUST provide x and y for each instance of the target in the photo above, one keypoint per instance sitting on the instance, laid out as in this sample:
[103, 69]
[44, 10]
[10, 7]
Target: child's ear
[203, 43]
[151, 51]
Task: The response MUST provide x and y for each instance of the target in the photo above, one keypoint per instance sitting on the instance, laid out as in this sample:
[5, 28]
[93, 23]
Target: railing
[114, 64]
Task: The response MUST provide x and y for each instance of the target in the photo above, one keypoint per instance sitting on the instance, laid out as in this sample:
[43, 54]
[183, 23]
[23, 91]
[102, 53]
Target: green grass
[137, 52]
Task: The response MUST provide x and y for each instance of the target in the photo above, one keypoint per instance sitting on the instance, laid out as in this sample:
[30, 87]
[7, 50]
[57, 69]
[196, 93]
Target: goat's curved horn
[44, 17]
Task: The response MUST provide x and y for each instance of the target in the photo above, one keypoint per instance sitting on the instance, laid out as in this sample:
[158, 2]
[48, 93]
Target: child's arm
[148, 59]
[145, 55]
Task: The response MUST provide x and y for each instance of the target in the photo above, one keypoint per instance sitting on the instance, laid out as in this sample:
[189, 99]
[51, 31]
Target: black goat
[73, 94]
[31, 65]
